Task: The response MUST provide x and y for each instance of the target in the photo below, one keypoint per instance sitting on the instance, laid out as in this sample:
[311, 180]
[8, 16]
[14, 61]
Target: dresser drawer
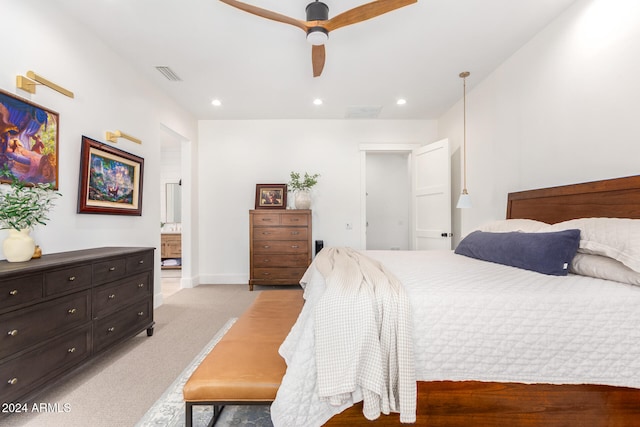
[106, 271]
[20, 290]
[68, 279]
[111, 297]
[294, 219]
[280, 247]
[292, 275]
[140, 262]
[35, 368]
[266, 219]
[120, 324]
[293, 260]
[23, 328]
[280, 233]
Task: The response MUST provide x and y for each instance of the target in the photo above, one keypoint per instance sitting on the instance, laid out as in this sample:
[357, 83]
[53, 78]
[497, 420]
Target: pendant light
[464, 201]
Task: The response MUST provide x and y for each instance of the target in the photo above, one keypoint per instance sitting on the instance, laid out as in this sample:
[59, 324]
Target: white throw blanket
[364, 336]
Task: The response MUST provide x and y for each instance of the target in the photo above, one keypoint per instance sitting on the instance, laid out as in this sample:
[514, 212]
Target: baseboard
[224, 279]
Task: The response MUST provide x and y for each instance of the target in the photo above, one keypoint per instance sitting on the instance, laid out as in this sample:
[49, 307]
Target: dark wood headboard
[615, 198]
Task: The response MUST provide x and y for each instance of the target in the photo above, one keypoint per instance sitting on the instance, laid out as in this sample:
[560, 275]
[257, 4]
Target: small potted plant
[22, 207]
[302, 187]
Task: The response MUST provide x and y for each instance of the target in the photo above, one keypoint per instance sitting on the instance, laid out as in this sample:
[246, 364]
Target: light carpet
[169, 409]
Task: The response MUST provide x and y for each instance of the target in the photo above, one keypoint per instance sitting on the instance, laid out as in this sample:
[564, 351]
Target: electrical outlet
[349, 226]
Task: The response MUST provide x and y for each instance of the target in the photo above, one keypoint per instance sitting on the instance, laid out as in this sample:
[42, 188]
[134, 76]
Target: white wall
[563, 109]
[108, 96]
[234, 156]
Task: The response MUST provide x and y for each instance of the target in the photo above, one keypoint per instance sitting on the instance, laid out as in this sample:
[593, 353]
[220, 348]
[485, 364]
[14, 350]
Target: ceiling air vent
[363, 112]
[169, 74]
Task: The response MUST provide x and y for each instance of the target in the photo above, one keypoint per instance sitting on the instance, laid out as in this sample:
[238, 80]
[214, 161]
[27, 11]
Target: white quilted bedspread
[475, 320]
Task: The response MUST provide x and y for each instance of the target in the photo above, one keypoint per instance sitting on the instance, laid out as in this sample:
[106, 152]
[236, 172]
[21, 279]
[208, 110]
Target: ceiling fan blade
[264, 13]
[317, 59]
[364, 12]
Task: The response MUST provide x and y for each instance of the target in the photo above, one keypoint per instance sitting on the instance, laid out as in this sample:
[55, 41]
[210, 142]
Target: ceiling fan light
[317, 36]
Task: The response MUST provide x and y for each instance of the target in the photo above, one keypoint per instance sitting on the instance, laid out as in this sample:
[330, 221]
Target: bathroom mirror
[174, 202]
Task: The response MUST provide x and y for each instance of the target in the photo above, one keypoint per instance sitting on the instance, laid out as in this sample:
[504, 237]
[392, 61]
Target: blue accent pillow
[547, 253]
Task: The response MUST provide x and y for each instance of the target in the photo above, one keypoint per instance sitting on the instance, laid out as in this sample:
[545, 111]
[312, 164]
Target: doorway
[424, 171]
[171, 213]
[388, 192]
[372, 155]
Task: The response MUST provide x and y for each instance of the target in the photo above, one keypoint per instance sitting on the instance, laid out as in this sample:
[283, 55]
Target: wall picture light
[30, 82]
[113, 137]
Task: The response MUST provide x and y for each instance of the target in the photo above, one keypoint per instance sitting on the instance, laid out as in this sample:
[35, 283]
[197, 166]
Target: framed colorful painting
[110, 180]
[28, 140]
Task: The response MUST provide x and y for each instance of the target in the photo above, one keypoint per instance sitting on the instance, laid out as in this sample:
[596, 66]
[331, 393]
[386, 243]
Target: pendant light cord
[464, 76]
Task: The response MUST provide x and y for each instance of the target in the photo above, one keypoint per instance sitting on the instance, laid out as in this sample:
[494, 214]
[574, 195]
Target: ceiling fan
[318, 25]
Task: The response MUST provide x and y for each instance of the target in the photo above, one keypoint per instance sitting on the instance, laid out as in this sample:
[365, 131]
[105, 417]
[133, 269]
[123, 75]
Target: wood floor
[483, 404]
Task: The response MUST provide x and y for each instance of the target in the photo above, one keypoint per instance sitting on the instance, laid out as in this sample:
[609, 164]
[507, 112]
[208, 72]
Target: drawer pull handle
[72, 278]
[266, 260]
[71, 350]
[294, 246]
[141, 313]
[112, 296]
[13, 333]
[141, 285]
[111, 329]
[266, 219]
[295, 233]
[266, 233]
[266, 274]
[112, 269]
[12, 381]
[266, 246]
[295, 219]
[72, 311]
[14, 292]
[141, 261]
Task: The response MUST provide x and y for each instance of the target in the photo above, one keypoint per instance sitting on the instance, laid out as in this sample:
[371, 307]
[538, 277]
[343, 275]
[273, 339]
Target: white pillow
[508, 225]
[617, 238]
[603, 267]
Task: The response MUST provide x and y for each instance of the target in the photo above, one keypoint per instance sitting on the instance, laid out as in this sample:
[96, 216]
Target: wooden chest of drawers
[58, 311]
[279, 246]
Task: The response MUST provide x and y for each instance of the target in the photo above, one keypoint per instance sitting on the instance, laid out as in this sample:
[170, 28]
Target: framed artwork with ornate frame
[110, 180]
[271, 196]
[28, 140]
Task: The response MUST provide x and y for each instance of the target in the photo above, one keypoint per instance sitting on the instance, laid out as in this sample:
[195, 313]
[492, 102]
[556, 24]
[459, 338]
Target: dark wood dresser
[280, 246]
[58, 311]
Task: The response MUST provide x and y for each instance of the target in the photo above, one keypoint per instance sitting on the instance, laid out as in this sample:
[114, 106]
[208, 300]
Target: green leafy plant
[23, 206]
[298, 183]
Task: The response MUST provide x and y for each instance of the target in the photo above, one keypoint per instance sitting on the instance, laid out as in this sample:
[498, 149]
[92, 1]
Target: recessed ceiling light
[317, 101]
[216, 103]
[401, 101]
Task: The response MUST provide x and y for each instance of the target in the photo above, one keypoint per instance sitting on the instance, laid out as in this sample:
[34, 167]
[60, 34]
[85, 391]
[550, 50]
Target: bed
[496, 345]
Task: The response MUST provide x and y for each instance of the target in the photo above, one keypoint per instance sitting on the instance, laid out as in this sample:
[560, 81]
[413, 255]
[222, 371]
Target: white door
[431, 196]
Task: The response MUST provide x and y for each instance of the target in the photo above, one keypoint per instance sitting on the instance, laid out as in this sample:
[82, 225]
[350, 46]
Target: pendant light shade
[464, 201]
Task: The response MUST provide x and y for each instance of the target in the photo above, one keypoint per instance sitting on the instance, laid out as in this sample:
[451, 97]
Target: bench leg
[188, 420]
[188, 414]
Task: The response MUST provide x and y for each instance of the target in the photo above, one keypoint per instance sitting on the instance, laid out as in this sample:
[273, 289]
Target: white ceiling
[261, 69]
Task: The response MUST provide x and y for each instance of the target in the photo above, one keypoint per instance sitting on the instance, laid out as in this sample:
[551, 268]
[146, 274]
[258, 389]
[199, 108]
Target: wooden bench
[244, 367]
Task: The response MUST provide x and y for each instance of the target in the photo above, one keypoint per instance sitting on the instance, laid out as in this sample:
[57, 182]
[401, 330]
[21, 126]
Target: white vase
[18, 246]
[303, 199]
